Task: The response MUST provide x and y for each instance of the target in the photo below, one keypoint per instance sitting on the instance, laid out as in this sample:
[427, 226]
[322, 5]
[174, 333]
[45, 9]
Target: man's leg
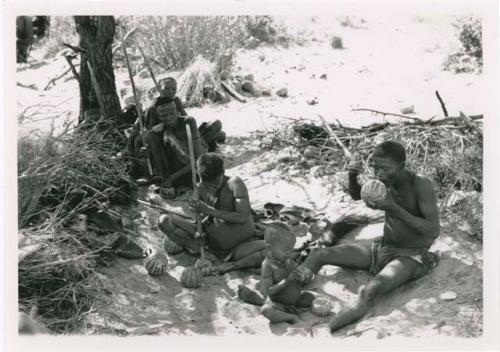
[158, 153]
[246, 255]
[353, 256]
[179, 230]
[275, 315]
[393, 275]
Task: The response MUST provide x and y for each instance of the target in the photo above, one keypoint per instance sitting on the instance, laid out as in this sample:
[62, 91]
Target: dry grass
[58, 178]
[58, 279]
[198, 75]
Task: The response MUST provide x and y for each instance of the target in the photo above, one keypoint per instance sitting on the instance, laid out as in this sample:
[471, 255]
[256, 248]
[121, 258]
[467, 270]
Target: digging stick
[96, 89]
[334, 136]
[165, 209]
[148, 66]
[137, 107]
[196, 196]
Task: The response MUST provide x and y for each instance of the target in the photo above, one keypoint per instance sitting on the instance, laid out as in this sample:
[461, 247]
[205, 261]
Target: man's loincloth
[382, 254]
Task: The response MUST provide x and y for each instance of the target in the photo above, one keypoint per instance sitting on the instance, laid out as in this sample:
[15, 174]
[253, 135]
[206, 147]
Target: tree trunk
[96, 38]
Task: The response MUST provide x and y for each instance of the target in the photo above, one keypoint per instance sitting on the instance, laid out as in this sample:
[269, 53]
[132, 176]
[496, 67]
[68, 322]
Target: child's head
[211, 170]
[168, 87]
[279, 239]
[167, 113]
[389, 159]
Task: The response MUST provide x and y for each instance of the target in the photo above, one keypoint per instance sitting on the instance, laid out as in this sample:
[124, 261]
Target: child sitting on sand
[279, 281]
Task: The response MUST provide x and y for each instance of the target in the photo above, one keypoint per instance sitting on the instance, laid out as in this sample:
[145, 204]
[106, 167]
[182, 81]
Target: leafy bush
[470, 56]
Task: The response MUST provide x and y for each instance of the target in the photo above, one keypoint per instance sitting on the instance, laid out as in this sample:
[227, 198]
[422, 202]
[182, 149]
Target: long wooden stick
[148, 66]
[96, 89]
[332, 134]
[137, 106]
[167, 210]
[196, 196]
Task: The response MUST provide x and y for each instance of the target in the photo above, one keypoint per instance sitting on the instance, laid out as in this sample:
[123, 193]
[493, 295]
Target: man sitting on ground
[211, 133]
[168, 146]
[402, 254]
[228, 224]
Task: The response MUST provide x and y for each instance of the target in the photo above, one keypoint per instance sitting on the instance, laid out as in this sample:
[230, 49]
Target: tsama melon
[156, 264]
[191, 277]
[373, 191]
[321, 307]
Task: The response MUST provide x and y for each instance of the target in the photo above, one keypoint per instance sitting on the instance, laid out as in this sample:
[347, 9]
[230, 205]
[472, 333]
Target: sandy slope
[386, 64]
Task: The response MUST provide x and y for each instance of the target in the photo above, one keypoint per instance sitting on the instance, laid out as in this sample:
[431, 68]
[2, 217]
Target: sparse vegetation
[61, 30]
[469, 58]
[175, 41]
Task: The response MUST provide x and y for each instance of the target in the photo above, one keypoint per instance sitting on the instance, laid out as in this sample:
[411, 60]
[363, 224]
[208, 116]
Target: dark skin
[411, 221]
[226, 229]
[280, 282]
[169, 118]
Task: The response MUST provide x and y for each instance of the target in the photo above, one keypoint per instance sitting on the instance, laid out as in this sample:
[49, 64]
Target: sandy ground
[141, 304]
[386, 64]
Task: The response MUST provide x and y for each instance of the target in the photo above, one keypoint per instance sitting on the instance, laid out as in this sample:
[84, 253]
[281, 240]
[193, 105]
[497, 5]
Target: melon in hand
[373, 192]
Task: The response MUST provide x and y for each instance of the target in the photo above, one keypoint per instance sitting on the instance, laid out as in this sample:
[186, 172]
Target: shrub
[337, 43]
[470, 56]
[175, 41]
[262, 28]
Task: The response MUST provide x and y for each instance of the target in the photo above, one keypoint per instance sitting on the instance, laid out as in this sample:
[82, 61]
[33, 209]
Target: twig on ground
[387, 114]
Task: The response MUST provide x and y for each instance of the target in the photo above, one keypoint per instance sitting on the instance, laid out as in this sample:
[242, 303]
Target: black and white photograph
[315, 175]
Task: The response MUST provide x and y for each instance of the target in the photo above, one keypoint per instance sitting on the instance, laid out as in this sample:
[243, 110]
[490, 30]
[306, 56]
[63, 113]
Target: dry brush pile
[449, 151]
[59, 178]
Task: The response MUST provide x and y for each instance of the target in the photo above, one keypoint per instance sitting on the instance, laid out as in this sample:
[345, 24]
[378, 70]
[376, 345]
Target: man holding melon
[411, 226]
